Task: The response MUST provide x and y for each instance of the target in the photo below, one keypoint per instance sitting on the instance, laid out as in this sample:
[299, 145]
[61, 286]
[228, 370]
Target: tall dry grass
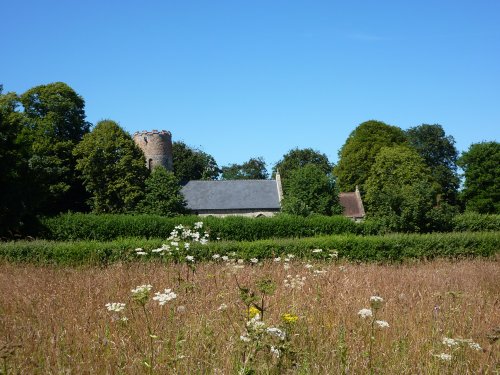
[54, 320]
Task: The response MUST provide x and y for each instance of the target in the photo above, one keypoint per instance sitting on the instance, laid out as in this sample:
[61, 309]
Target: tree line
[52, 160]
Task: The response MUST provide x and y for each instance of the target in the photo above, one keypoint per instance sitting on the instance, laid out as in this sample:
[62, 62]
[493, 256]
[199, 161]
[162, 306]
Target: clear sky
[241, 79]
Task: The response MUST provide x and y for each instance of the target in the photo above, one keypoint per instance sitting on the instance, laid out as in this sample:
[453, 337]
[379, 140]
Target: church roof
[352, 203]
[231, 195]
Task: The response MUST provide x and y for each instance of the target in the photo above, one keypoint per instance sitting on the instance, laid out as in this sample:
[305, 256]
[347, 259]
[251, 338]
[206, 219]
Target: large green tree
[481, 165]
[310, 190]
[400, 190]
[54, 124]
[440, 154]
[298, 158]
[253, 169]
[163, 194]
[112, 168]
[192, 164]
[15, 188]
[358, 153]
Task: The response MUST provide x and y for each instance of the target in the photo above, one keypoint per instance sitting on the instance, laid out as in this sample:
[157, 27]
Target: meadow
[285, 316]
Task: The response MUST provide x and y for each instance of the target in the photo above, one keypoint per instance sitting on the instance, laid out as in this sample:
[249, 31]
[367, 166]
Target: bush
[110, 227]
[473, 222]
[396, 247]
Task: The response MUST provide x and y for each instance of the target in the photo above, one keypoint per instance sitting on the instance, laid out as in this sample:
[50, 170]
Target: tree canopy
[112, 168]
[54, 122]
[310, 190]
[192, 164]
[253, 169]
[400, 189]
[298, 158]
[358, 153]
[481, 165]
[162, 194]
[439, 153]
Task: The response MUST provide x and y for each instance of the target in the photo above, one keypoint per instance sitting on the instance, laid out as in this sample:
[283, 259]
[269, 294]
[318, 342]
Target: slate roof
[353, 205]
[231, 195]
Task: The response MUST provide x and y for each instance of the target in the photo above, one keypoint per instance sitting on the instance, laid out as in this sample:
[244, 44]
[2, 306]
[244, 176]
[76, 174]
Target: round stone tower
[157, 148]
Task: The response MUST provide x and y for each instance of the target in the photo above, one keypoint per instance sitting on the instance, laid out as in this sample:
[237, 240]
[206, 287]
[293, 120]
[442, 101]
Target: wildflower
[319, 272]
[334, 254]
[365, 313]
[382, 323]
[286, 266]
[308, 265]
[241, 261]
[159, 250]
[215, 256]
[186, 245]
[289, 318]
[317, 250]
[253, 312]
[139, 249]
[198, 225]
[443, 356]
[124, 319]
[245, 338]
[163, 298]
[141, 253]
[296, 282]
[276, 352]
[225, 258]
[203, 241]
[142, 289]
[475, 346]
[449, 342]
[181, 309]
[376, 302]
[256, 324]
[174, 243]
[222, 307]
[276, 332]
[115, 306]
[254, 260]
[277, 259]
[190, 258]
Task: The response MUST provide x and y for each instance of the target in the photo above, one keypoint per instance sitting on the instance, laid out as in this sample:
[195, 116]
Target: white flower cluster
[365, 313]
[182, 233]
[443, 356]
[456, 342]
[164, 297]
[142, 289]
[276, 332]
[115, 306]
[382, 323]
[296, 282]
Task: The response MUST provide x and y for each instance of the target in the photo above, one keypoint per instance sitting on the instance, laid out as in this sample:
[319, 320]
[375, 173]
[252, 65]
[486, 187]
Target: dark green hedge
[110, 227]
[395, 247]
[472, 222]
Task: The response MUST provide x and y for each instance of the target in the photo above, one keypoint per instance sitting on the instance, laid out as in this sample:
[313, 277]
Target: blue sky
[241, 79]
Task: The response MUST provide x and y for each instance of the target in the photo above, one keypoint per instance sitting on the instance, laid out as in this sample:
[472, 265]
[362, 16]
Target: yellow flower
[253, 311]
[289, 318]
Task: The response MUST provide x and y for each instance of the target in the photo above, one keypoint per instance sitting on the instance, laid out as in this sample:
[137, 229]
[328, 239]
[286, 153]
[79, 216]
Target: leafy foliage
[481, 165]
[400, 189]
[193, 164]
[309, 190]
[358, 153]
[440, 155]
[54, 124]
[163, 194]
[253, 169]
[112, 168]
[298, 158]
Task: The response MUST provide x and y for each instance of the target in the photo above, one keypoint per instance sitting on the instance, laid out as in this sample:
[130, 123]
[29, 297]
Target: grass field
[54, 320]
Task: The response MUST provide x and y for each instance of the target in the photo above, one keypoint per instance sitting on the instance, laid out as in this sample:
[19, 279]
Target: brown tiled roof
[353, 205]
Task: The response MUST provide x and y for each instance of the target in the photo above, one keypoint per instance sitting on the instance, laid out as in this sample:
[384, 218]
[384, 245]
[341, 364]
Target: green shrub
[110, 227]
[395, 247]
[473, 222]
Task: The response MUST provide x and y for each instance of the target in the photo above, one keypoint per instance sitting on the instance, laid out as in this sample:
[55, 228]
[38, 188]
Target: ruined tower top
[156, 146]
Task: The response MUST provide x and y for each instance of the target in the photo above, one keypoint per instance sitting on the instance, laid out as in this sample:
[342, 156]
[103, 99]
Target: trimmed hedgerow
[473, 222]
[396, 247]
[109, 227]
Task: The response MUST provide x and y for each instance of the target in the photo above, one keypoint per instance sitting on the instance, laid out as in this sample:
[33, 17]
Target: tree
[358, 153]
[440, 155]
[481, 165]
[112, 168]
[298, 158]
[55, 123]
[193, 164]
[310, 190]
[15, 204]
[400, 190]
[253, 169]
[163, 194]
